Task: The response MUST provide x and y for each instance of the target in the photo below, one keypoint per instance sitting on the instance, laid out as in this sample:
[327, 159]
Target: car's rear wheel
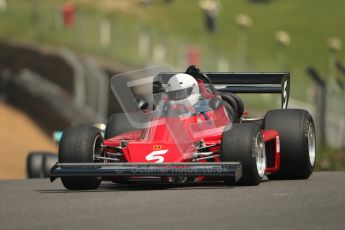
[230, 111]
[239, 106]
[80, 144]
[239, 102]
[297, 142]
[244, 143]
[232, 102]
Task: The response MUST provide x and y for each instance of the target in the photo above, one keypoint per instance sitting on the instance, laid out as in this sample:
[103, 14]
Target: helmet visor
[180, 94]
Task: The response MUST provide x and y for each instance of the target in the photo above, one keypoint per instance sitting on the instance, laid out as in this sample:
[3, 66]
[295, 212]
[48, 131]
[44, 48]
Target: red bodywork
[173, 139]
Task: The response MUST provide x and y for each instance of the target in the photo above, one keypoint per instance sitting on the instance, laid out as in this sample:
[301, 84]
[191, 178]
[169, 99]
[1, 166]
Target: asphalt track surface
[316, 203]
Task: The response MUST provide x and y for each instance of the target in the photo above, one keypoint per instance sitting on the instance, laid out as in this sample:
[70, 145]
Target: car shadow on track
[112, 187]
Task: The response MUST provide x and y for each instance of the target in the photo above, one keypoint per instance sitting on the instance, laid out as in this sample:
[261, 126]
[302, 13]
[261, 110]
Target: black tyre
[238, 102]
[297, 142]
[34, 164]
[79, 144]
[244, 143]
[48, 161]
[118, 123]
[232, 102]
[230, 111]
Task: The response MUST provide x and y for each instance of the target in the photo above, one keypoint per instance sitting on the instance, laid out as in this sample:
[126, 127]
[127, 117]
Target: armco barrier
[42, 61]
[84, 83]
[46, 102]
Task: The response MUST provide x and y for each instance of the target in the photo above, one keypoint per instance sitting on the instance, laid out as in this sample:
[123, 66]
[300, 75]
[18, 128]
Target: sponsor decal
[157, 147]
[285, 94]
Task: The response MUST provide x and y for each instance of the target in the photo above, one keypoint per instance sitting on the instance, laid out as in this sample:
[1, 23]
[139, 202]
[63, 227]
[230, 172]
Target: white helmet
[182, 86]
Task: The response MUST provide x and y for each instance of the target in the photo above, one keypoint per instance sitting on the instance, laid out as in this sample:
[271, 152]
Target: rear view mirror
[142, 103]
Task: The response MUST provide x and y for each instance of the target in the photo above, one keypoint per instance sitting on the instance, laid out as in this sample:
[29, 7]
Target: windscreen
[183, 117]
[150, 86]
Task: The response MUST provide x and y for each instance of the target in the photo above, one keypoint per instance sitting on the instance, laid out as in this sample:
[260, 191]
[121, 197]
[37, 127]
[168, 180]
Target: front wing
[214, 169]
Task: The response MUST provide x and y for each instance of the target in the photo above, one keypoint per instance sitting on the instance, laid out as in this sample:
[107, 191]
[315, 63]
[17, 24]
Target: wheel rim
[97, 149]
[311, 143]
[260, 155]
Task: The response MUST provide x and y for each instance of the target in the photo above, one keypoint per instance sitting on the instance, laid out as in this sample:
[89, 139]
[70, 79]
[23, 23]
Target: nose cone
[156, 153]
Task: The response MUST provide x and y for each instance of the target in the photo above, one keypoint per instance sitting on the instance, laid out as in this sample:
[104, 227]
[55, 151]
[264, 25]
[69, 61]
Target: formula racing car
[190, 127]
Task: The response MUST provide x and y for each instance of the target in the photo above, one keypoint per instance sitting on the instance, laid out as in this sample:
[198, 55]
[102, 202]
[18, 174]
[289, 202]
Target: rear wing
[253, 83]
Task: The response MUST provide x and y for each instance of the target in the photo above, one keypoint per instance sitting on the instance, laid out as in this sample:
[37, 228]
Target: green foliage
[180, 24]
[330, 159]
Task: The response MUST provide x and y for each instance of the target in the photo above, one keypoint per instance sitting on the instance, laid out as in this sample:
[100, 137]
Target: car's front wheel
[244, 143]
[80, 144]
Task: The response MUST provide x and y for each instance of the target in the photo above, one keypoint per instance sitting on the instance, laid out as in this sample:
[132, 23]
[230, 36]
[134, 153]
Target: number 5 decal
[156, 155]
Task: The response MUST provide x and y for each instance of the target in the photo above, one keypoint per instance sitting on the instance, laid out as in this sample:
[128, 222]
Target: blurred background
[57, 56]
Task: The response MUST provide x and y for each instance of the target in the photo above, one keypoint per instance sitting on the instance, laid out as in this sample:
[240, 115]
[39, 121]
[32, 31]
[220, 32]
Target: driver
[184, 96]
[183, 93]
[183, 89]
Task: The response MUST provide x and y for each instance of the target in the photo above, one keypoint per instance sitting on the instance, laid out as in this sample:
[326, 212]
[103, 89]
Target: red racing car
[190, 127]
